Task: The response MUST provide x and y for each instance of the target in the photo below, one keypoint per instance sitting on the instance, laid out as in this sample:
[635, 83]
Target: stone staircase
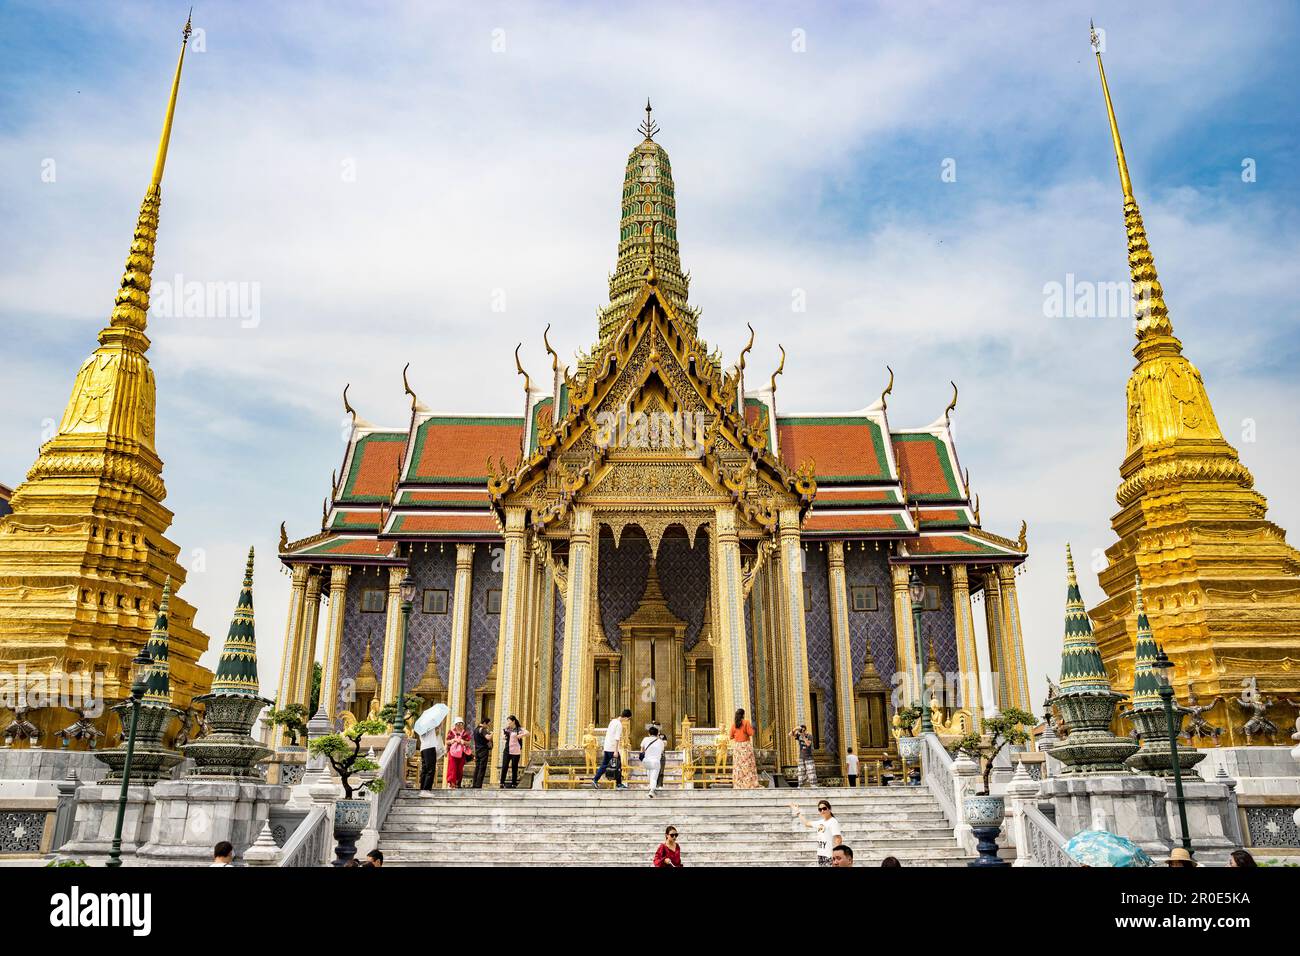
[718, 827]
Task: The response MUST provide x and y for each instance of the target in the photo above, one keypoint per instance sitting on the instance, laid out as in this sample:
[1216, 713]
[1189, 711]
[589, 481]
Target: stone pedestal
[1210, 811]
[1132, 805]
[193, 814]
[36, 773]
[96, 817]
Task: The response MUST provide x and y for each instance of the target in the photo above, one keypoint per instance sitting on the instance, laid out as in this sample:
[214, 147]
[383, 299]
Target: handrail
[1046, 844]
[309, 843]
[936, 772]
[392, 770]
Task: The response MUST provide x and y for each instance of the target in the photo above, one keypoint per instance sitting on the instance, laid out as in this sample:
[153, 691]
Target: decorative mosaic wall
[434, 568]
[939, 626]
[684, 575]
[358, 628]
[871, 631]
[484, 628]
[557, 662]
[622, 574]
[821, 655]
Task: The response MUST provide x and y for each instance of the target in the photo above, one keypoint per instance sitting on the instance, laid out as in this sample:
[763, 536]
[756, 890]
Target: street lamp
[1162, 664]
[917, 589]
[407, 591]
[139, 675]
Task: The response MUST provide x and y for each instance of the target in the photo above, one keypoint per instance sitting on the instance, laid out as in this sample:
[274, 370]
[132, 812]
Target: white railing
[311, 840]
[937, 772]
[1040, 843]
[392, 770]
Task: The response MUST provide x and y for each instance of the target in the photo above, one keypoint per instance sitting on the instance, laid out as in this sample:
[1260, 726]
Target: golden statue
[722, 741]
[589, 750]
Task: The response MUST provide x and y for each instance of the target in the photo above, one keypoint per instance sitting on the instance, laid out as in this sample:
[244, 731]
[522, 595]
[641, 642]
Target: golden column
[329, 679]
[731, 605]
[458, 652]
[793, 629]
[972, 695]
[392, 637]
[848, 723]
[781, 722]
[307, 643]
[1013, 641]
[997, 644]
[574, 704]
[292, 634]
[528, 658]
[905, 638]
[510, 631]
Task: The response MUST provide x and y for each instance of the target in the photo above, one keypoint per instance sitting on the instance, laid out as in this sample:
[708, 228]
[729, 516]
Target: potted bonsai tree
[982, 810]
[293, 719]
[351, 814]
[909, 745]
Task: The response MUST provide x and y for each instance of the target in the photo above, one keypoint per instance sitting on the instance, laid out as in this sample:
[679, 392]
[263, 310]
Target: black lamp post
[916, 587]
[139, 674]
[1163, 664]
[407, 591]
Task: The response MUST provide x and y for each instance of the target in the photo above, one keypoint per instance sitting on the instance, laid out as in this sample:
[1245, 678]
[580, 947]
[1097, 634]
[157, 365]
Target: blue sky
[488, 145]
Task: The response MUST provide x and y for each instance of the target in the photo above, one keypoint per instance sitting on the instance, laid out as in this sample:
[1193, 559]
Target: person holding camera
[807, 769]
[511, 752]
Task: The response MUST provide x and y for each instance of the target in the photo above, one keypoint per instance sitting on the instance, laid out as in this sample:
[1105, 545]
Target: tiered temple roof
[429, 480]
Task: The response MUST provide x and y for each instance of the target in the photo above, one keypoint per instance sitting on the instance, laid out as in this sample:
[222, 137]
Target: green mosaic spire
[647, 226]
[237, 671]
[1081, 668]
[158, 685]
[1146, 681]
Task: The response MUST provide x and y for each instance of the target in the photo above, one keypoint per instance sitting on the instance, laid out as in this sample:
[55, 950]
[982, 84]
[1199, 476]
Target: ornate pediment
[655, 415]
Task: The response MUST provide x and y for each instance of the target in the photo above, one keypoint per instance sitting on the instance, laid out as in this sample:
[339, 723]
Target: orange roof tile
[476, 524]
[843, 448]
[924, 466]
[456, 450]
[823, 521]
[375, 460]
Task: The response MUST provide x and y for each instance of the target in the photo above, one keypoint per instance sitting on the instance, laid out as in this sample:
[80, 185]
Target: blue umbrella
[1103, 848]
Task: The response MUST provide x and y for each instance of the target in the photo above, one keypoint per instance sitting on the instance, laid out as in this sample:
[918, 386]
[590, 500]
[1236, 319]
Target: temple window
[494, 601]
[864, 597]
[372, 601]
[435, 601]
[931, 598]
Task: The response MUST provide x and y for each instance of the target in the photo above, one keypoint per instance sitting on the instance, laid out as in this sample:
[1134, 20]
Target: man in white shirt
[430, 746]
[613, 734]
[851, 767]
[653, 746]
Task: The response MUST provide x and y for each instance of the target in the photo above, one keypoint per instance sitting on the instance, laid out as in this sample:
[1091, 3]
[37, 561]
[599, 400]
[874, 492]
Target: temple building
[652, 531]
[1222, 586]
[84, 554]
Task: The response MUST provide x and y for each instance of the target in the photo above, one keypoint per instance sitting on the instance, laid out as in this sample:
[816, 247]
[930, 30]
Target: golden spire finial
[1126, 184]
[163, 141]
[1155, 331]
[649, 127]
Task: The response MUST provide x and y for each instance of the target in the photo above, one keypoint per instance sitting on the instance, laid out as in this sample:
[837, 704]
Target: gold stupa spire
[1155, 332]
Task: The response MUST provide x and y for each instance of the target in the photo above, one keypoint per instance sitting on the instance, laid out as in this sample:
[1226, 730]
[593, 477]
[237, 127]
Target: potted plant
[414, 707]
[909, 746]
[983, 811]
[293, 719]
[343, 751]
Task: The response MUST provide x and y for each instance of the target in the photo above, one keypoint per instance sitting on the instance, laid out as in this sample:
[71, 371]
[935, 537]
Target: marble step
[407, 823]
[691, 856]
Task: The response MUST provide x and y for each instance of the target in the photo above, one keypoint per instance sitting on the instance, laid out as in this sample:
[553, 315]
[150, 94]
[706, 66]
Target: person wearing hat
[459, 747]
[1178, 856]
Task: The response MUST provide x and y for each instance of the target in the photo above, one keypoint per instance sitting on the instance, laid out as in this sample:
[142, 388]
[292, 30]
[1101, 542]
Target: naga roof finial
[649, 127]
[748, 345]
[528, 384]
[780, 369]
[347, 406]
[555, 359]
[947, 412]
[889, 389]
[406, 387]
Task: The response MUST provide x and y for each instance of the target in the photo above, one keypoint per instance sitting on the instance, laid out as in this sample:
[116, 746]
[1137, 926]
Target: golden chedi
[1222, 586]
[84, 555]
